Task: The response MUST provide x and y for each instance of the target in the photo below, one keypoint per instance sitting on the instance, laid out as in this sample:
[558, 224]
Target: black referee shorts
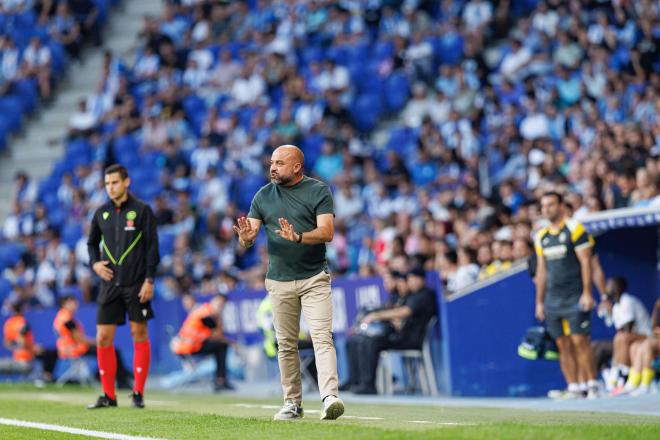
[120, 301]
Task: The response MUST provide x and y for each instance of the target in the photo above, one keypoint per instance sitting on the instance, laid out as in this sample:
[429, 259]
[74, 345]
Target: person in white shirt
[467, 271]
[631, 320]
[249, 87]
[37, 63]
[349, 203]
[545, 19]
[476, 14]
[418, 107]
[146, 64]
[82, 121]
[515, 60]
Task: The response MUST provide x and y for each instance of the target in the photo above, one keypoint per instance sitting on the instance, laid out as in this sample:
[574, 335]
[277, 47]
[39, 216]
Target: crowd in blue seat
[37, 40]
[438, 124]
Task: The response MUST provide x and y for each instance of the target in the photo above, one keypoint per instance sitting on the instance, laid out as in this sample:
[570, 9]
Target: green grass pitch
[191, 417]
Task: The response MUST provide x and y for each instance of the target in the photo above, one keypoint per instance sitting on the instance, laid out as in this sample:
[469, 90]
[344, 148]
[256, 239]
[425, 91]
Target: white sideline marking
[67, 399]
[67, 430]
[315, 411]
[362, 418]
[250, 405]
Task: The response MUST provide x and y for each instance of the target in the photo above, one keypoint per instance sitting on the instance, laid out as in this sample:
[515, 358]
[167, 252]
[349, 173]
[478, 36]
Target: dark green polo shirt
[299, 204]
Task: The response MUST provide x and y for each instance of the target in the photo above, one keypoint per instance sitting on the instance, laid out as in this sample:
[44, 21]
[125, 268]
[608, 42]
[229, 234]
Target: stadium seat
[166, 242]
[365, 112]
[71, 233]
[75, 370]
[312, 146]
[396, 91]
[403, 141]
[26, 90]
[418, 365]
[382, 50]
[5, 286]
[9, 254]
[9, 105]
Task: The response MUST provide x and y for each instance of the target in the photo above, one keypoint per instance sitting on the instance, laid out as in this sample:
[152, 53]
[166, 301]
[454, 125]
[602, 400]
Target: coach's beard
[279, 180]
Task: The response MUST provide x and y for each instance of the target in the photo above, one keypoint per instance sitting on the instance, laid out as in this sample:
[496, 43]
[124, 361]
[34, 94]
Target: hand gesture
[245, 230]
[286, 230]
[101, 268]
[146, 292]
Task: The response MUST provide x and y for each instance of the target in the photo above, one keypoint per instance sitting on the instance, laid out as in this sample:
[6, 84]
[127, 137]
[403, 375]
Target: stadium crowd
[438, 125]
[37, 40]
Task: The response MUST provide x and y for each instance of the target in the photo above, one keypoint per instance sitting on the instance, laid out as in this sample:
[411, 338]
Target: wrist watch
[149, 280]
[299, 237]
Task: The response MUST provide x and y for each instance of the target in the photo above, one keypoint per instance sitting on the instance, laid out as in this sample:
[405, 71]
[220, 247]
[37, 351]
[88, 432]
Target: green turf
[185, 416]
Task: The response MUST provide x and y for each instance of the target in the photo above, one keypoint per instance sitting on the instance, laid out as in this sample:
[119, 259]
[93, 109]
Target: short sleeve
[580, 237]
[325, 204]
[538, 249]
[255, 211]
[624, 312]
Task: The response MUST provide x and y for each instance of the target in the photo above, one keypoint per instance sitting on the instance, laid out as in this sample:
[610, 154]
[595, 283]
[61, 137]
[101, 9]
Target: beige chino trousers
[312, 296]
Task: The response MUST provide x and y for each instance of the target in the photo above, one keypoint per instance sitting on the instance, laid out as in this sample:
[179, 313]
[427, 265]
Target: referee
[125, 229]
[564, 294]
[297, 213]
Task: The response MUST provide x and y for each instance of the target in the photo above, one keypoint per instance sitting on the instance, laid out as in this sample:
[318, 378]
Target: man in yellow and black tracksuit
[123, 252]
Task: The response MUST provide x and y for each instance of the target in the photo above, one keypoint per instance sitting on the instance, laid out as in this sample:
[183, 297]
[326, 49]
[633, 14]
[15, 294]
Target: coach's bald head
[286, 165]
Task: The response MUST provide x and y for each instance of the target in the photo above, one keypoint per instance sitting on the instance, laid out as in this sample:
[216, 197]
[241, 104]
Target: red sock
[107, 369]
[141, 359]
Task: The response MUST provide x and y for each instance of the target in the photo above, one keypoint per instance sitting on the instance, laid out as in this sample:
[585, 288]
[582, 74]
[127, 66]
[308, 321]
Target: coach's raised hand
[101, 268]
[286, 230]
[246, 233]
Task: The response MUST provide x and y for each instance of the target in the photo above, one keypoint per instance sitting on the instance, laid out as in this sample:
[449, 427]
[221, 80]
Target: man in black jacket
[123, 251]
[408, 318]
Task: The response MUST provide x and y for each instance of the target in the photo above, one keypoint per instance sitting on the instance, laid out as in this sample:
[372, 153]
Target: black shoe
[103, 402]
[223, 386]
[138, 400]
[364, 389]
[346, 386]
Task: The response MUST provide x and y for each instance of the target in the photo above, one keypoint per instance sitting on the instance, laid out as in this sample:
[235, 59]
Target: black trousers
[219, 350]
[48, 359]
[363, 354]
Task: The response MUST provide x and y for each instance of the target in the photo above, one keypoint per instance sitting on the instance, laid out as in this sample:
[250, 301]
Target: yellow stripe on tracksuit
[126, 252]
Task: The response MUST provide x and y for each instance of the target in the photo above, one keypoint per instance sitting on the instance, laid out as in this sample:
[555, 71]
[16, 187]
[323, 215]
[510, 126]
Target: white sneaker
[641, 390]
[593, 393]
[564, 395]
[289, 411]
[333, 408]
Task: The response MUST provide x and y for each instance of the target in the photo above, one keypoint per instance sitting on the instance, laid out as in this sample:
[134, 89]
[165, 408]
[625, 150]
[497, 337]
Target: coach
[297, 213]
[125, 229]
